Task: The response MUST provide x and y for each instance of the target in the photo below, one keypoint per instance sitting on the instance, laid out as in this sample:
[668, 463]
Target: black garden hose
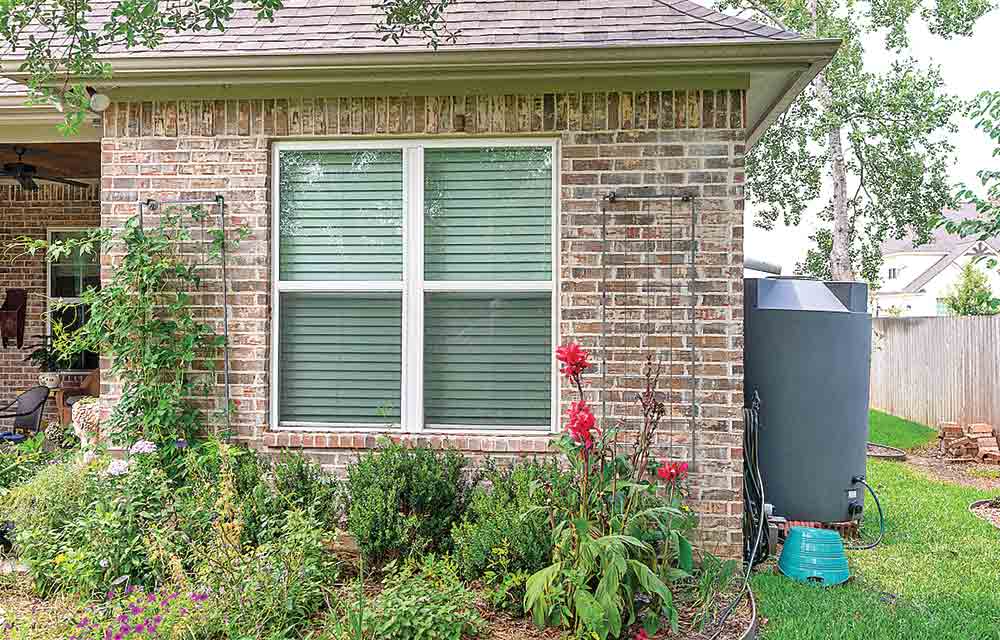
[881, 521]
[754, 517]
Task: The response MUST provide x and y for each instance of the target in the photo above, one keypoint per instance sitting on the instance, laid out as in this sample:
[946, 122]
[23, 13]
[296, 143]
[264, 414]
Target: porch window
[68, 278]
[415, 285]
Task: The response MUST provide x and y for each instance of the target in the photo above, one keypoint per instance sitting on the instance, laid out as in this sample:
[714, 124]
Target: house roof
[330, 26]
[975, 247]
[540, 45]
[941, 241]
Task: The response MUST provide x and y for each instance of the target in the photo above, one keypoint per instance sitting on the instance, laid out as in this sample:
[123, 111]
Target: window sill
[483, 442]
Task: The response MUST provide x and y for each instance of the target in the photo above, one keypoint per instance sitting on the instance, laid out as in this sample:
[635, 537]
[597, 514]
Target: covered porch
[49, 190]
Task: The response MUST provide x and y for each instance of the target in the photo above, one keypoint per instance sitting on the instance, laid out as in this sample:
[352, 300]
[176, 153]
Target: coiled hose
[755, 538]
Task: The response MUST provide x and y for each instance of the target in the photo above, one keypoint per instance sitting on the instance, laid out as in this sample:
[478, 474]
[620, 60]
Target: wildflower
[581, 424]
[641, 635]
[142, 446]
[135, 609]
[574, 359]
[117, 468]
[181, 444]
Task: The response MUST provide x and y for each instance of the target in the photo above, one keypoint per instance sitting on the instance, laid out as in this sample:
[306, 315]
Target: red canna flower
[574, 359]
[671, 472]
[581, 424]
[641, 635]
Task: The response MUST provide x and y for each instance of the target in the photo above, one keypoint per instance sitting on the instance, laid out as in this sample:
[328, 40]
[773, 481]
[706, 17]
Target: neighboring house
[426, 225]
[916, 279]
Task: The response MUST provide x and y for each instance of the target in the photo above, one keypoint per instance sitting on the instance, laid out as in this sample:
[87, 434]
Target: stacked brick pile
[976, 443]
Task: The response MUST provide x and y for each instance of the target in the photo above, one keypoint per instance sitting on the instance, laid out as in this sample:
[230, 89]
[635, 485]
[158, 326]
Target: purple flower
[140, 628]
[123, 618]
[141, 447]
[117, 468]
[130, 589]
[181, 444]
[135, 609]
[83, 623]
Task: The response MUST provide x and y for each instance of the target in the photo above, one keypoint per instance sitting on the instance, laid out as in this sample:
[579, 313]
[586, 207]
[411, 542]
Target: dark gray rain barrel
[807, 353]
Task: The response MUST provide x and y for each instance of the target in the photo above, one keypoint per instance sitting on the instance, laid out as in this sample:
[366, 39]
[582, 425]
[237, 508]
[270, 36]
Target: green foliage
[41, 509]
[45, 356]
[270, 592]
[885, 137]
[620, 538]
[20, 462]
[507, 528]
[302, 484]
[418, 601]
[404, 501]
[972, 295]
[145, 320]
[713, 577]
[984, 111]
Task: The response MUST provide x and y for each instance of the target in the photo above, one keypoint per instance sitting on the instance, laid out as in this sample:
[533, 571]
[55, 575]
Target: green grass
[937, 574]
[897, 432]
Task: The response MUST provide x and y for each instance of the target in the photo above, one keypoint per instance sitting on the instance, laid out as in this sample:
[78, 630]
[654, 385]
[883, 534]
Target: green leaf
[685, 554]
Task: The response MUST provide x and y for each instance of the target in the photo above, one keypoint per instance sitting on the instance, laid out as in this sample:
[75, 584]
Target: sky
[968, 66]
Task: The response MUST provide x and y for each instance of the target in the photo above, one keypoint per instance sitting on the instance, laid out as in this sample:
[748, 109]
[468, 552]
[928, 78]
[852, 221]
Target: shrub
[107, 543]
[404, 501]
[426, 601]
[507, 527]
[302, 484]
[20, 462]
[269, 592]
[40, 510]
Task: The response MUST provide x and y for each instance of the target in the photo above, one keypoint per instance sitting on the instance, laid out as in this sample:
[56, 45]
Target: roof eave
[245, 66]
[799, 61]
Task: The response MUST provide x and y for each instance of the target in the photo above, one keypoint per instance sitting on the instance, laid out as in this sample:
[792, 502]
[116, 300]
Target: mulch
[990, 512]
[931, 462]
[504, 627]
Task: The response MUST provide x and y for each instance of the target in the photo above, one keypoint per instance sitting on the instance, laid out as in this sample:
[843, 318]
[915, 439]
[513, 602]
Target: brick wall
[27, 213]
[688, 142]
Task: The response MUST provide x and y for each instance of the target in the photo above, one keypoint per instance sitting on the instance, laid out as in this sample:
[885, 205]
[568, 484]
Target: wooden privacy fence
[933, 369]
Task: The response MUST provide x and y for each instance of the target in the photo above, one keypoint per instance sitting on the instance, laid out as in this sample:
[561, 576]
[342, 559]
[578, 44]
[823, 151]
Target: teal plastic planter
[814, 556]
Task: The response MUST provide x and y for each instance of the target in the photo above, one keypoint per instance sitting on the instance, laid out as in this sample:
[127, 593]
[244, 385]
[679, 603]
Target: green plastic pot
[814, 556]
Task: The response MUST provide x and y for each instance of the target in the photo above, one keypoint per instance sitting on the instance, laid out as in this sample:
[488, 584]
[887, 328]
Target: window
[68, 278]
[942, 307]
[415, 285]
[893, 273]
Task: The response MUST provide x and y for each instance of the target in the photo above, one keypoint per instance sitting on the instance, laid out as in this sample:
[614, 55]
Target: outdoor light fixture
[99, 102]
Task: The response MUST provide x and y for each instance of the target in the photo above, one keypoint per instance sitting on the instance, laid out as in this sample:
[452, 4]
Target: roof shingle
[330, 26]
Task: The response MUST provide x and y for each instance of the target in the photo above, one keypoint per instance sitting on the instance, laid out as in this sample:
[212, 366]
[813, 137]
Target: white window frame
[412, 286]
[49, 299]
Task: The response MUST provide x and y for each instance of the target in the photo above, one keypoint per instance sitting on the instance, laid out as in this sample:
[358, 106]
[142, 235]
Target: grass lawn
[897, 432]
[936, 575]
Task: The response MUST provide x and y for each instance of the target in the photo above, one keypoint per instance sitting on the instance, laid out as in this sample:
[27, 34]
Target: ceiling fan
[26, 174]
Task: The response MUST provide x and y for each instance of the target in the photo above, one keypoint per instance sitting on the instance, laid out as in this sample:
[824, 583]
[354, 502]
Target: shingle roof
[941, 241]
[330, 26]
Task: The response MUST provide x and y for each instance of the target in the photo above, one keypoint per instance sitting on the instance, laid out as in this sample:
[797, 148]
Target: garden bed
[885, 452]
[988, 510]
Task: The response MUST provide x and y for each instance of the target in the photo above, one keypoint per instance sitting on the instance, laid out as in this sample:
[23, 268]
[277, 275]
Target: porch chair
[27, 414]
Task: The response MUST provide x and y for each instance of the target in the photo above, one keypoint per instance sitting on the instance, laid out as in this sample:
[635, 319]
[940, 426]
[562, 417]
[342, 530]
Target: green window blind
[341, 215]
[340, 358]
[487, 360]
[488, 213]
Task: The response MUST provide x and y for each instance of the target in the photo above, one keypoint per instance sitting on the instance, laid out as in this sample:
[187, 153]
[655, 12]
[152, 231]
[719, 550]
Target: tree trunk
[841, 267]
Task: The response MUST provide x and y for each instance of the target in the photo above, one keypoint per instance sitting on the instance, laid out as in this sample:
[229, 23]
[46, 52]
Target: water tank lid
[797, 295]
